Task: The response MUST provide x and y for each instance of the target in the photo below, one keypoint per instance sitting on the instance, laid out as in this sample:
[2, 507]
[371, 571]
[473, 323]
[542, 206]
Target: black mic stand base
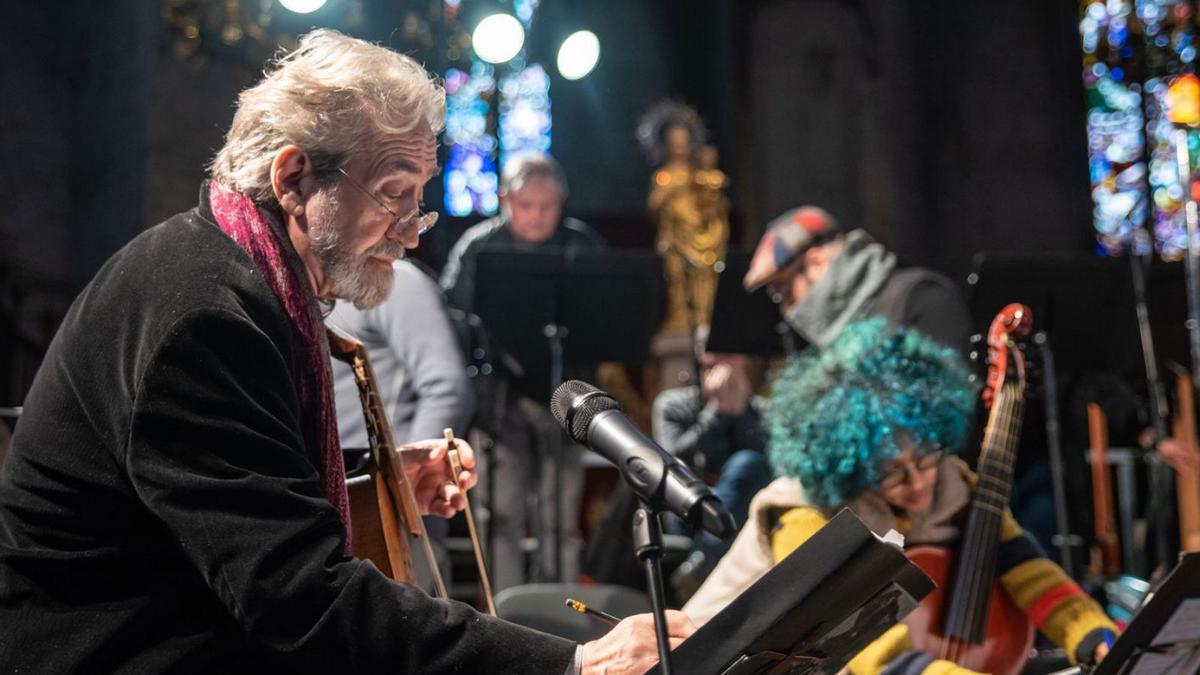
[648, 544]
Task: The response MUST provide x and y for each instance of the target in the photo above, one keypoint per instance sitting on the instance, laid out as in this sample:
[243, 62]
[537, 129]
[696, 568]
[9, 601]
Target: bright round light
[498, 38]
[302, 6]
[578, 54]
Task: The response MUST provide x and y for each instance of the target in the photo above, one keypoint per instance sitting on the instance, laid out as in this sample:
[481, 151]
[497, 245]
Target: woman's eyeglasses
[424, 221]
[896, 476]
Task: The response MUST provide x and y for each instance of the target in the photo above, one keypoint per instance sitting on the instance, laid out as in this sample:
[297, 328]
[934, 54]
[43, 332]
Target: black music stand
[561, 308]
[747, 323]
[812, 612]
[1086, 306]
[1163, 638]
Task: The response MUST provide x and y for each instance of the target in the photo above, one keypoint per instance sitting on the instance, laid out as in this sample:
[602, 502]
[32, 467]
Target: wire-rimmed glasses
[424, 221]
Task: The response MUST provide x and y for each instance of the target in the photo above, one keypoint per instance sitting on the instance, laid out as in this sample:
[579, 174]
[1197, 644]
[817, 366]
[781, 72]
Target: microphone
[592, 417]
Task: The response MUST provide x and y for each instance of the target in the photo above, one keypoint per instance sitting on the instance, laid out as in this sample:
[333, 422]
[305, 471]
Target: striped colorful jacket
[1055, 603]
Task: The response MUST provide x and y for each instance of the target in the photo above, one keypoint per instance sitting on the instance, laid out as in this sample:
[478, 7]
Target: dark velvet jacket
[160, 508]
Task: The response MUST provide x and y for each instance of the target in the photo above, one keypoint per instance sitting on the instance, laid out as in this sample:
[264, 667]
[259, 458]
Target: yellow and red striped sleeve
[1051, 599]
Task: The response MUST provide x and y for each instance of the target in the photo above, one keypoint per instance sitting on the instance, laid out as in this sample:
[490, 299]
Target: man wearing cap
[823, 279]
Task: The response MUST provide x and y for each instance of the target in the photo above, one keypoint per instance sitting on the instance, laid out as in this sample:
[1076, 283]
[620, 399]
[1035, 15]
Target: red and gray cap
[788, 236]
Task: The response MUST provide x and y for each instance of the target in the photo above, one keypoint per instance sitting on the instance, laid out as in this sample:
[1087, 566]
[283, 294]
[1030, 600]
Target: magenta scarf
[261, 236]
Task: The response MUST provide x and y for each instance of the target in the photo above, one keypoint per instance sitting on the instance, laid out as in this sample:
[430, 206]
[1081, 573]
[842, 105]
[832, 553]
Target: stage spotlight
[578, 54]
[302, 6]
[498, 38]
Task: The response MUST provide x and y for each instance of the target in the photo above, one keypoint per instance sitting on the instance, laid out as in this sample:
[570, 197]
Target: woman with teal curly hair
[839, 414]
[870, 423]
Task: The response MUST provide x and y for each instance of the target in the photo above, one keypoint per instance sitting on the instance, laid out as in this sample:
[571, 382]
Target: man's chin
[372, 290]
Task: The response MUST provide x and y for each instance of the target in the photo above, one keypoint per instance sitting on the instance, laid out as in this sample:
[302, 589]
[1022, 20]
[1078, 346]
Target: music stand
[556, 308]
[812, 612]
[1163, 638]
[746, 323]
[1086, 306]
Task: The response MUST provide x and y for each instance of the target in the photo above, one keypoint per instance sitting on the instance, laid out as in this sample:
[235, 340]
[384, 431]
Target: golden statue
[688, 203]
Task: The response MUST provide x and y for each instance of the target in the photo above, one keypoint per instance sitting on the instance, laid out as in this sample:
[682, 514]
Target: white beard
[355, 278]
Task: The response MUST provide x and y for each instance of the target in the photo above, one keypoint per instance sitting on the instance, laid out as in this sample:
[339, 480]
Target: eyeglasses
[898, 475]
[424, 221]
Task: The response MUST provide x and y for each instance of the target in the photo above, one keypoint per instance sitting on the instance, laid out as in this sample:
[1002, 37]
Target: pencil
[584, 609]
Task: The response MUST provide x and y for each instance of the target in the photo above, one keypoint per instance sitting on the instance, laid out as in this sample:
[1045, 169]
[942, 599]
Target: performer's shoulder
[481, 233]
[582, 233]
[183, 264]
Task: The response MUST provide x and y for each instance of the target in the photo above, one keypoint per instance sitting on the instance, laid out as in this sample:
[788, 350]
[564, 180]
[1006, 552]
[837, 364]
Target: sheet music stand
[1085, 304]
[812, 612]
[556, 308]
[746, 323]
[1164, 636]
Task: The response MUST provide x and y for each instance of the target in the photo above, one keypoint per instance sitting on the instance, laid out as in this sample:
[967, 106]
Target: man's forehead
[414, 153]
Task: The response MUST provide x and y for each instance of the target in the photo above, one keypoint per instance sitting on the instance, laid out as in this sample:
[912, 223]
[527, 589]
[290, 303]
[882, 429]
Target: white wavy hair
[333, 96]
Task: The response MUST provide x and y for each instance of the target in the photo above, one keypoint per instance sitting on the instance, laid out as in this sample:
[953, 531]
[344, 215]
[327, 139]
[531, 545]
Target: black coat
[160, 508]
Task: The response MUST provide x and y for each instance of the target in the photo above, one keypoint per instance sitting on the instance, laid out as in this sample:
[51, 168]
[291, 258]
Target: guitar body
[1009, 636]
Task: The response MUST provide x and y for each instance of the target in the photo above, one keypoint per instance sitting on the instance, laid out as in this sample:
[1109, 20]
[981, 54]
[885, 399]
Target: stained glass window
[525, 111]
[477, 136]
[470, 175]
[1131, 51]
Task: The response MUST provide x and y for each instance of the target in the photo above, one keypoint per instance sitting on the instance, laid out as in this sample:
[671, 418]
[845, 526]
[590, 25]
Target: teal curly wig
[836, 412]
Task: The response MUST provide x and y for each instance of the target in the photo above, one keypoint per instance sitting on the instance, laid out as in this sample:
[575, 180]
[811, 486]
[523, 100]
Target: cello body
[1010, 633]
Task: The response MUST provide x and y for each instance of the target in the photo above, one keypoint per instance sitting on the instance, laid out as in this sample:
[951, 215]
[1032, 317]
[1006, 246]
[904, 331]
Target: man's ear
[289, 173]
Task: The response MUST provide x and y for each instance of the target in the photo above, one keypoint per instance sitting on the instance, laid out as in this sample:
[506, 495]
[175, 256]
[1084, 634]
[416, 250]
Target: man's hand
[728, 386]
[630, 647]
[1179, 456]
[437, 491]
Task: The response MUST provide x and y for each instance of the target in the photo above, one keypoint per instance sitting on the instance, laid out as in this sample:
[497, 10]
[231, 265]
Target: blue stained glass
[470, 173]
[1131, 144]
[525, 119]
[523, 94]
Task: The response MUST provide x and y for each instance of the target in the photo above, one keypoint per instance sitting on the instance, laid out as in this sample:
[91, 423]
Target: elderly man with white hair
[174, 498]
[527, 442]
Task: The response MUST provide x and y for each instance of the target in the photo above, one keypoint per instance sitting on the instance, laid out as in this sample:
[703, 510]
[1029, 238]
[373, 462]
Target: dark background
[945, 128]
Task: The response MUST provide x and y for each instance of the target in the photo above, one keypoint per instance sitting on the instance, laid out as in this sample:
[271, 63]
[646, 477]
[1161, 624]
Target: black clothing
[702, 437]
[458, 281]
[458, 277]
[920, 298]
[160, 508]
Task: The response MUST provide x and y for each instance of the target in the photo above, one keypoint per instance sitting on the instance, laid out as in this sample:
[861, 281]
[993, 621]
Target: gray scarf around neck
[853, 278]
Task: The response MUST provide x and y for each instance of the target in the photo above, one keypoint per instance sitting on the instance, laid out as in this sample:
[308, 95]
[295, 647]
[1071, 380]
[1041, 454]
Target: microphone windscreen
[575, 415]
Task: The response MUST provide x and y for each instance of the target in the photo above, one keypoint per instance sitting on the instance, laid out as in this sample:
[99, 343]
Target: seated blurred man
[532, 191]
[420, 371]
[174, 497]
[823, 278]
[717, 429]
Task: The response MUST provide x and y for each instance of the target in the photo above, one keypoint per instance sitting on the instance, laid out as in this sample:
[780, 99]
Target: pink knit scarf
[261, 235]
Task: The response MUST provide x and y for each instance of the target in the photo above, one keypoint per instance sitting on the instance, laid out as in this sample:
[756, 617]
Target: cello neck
[396, 493]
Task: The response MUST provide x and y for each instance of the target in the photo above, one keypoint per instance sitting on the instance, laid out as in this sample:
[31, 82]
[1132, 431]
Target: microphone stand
[1065, 541]
[1160, 487]
[555, 334]
[648, 544]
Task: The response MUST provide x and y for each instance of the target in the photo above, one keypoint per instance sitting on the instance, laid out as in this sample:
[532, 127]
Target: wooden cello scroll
[1102, 497]
[456, 470]
[1187, 483]
[395, 506]
[969, 619]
